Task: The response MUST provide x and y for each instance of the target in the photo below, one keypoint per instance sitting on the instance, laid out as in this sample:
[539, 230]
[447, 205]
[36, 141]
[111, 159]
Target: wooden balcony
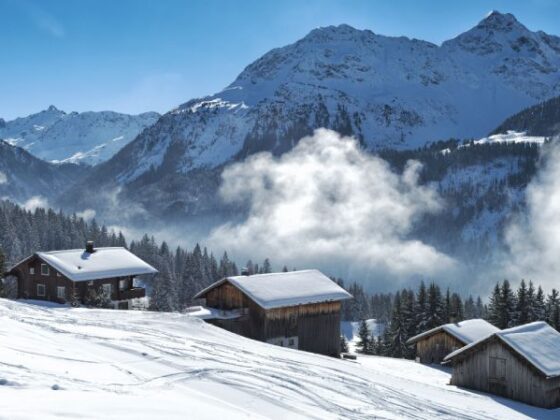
[133, 293]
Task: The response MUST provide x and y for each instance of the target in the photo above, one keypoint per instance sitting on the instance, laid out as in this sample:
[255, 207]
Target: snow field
[131, 364]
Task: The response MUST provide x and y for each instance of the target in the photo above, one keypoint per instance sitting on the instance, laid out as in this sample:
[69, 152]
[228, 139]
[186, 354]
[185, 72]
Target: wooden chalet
[433, 345]
[298, 309]
[521, 363]
[62, 276]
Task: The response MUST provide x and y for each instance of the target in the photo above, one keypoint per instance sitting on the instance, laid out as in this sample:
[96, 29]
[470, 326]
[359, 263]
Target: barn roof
[465, 331]
[537, 342]
[79, 265]
[276, 290]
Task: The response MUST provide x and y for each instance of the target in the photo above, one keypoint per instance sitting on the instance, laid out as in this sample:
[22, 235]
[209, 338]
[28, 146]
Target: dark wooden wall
[515, 379]
[27, 283]
[435, 347]
[316, 326]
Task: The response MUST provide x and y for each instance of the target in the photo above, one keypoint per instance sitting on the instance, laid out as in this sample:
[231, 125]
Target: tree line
[414, 312]
[182, 272]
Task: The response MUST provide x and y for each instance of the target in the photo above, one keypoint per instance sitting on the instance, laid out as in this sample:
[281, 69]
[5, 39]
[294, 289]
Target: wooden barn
[62, 276]
[521, 363]
[297, 309]
[433, 345]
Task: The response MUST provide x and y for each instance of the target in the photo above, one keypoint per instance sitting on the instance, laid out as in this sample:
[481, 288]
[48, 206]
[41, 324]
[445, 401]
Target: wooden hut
[67, 275]
[433, 345]
[521, 363]
[297, 309]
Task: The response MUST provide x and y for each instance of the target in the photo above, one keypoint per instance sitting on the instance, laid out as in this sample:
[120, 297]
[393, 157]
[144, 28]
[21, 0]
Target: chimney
[244, 271]
[89, 247]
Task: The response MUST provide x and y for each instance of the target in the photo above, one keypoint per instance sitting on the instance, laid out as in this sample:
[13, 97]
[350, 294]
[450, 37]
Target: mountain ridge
[388, 92]
[87, 137]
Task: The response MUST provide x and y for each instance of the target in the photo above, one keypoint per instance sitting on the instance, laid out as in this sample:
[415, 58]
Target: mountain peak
[499, 21]
[52, 108]
[325, 33]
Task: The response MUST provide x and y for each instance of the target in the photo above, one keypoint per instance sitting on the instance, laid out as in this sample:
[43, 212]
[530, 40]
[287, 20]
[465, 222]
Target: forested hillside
[539, 120]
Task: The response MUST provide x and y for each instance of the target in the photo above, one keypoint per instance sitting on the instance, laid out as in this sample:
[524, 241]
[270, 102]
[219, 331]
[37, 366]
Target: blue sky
[140, 55]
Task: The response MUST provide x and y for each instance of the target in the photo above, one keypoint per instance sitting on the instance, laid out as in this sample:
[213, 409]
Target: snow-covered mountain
[95, 363]
[395, 93]
[87, 137]
[23, 176]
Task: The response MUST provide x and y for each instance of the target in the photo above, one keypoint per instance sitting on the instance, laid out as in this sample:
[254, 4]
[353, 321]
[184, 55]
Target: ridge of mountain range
[391, 93]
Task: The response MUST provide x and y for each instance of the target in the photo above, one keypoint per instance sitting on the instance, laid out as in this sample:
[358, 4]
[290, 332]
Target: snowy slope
[109, 364]
[87, 137]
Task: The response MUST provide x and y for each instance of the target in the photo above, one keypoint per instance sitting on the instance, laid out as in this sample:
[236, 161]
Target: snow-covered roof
[276, 290]
[79, 265]
[467, 331]
[537, 342]
[202, 312]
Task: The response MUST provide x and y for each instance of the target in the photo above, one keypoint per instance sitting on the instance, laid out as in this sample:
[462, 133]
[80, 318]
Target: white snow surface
[202, 312]
[79, 265]
[61, 362]
[537, 342]
[467, 331]
[276, 290]
[511, 137]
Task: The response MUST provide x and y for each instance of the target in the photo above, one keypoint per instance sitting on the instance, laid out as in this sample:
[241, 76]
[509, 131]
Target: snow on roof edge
[279, 303]
[511, 344]
[93, 275]
[451, 328]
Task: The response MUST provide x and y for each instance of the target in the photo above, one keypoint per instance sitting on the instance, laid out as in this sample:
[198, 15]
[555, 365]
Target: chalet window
[32, 270]
[497, 368]
[291, 342]
[58, 274]
[41, 290]
[44, 270]
[61, 292]
[107, 289]
[122, 284]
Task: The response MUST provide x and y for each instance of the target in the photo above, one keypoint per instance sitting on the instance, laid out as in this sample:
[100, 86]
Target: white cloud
[328, 204]
[87, 214]
[3, 178]
[534, 237]
[36, 202]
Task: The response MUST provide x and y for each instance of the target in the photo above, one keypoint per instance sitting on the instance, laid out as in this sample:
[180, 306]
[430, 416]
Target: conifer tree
[539, 310]
[421, 307]
[508, 304]
[522, 305]
[434, 309]
[343, 344]
[364, 336]
[495, 306]
[552, 313]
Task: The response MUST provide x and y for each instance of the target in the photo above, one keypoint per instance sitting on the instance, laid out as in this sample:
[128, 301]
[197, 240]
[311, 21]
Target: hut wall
[315, 327]
[435, 347]
[496, 369]
[225, 296]
[312, 327]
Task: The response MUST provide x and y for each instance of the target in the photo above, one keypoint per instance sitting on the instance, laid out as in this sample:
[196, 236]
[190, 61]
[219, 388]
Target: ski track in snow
[167, 365]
